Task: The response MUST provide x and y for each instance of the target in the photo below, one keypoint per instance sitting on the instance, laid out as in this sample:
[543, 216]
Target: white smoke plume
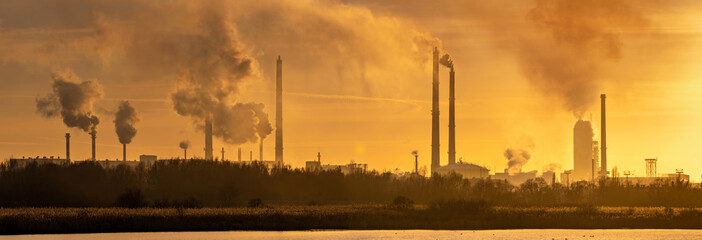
[125, 118]
[72, 100]
[517, 158]
[264, 127]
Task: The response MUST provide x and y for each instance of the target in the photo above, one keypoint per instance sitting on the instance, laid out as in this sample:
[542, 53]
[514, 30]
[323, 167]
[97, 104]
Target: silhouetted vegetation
[402, 203]
[198, 183]
[453, 215]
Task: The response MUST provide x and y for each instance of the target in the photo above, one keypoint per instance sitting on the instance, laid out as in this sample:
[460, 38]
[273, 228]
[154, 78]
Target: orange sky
[357, 81]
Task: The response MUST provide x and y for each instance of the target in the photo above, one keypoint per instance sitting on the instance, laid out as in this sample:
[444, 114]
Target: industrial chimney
[260, 150]
[68, 147]
[435, 154]
[208, 139]
[92, 135]
[279, 112]
[239, 154]
[452, 119]
[603, 168]
[124, 152]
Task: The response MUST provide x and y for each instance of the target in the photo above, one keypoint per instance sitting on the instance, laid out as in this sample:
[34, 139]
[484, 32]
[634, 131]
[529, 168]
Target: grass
[85, 220]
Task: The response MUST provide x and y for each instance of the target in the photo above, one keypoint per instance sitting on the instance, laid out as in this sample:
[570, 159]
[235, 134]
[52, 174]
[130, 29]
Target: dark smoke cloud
[214, 64]
[446, 61]
[73, 100]
[584, 35]
[415, 152]
[184, 144]
[517, 158]
[125, 118]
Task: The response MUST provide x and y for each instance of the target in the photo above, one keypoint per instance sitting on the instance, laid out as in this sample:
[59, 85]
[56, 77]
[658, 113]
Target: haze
[358, 77]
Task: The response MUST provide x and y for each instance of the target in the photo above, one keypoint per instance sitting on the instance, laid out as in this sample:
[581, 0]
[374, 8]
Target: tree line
[197, 183]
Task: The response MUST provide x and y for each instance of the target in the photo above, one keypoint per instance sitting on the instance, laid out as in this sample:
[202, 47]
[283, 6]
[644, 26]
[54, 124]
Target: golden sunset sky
[357, 76]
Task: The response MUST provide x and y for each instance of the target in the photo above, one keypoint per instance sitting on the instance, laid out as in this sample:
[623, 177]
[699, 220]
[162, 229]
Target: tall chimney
[239, 154]
[124, 152]
[92, 135]
[603, 168]
[222, 154]
[68, 147]
[185, 153]
[435, 154]
[452, 119]
[208, 139]
[279, 112]
[416, 164]
[260, 150]
[251, 156]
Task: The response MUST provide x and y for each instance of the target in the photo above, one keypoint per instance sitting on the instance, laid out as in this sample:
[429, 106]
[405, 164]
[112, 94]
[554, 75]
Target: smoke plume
[583, 36]
[125, 118]
[517, 158]
[264, 127]
[446, 61]
[552, 167]
[415, 152]
[73, 100]
[184, 144]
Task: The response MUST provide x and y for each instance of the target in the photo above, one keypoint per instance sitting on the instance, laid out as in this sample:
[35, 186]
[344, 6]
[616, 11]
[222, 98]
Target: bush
[131, 198]
[255, 203]
[190, 202]
[402, 203]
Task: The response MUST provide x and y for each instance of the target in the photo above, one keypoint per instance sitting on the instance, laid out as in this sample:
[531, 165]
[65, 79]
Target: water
[385, 234]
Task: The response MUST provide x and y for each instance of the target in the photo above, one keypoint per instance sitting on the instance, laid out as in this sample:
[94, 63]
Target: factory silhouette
[589, 155]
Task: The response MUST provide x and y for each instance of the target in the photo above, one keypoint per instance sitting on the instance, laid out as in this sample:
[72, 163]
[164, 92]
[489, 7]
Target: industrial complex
[589, 154]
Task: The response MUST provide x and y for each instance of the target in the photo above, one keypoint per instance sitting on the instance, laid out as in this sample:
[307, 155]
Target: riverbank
[355, 217]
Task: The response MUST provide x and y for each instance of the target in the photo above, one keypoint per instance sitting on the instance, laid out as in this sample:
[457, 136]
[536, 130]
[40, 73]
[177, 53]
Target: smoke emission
[584, 35]
[553, 167]
[73, 100]
[415, 152]
[125, 118]
[264, 127]
[517, 158]
[184, 144]
[446, 61]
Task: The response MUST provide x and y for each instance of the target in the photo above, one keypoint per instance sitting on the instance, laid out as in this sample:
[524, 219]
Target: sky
[357, 78]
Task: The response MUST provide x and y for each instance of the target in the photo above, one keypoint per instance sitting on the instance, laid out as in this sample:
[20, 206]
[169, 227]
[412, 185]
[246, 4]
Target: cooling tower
[68, 146]
[435, 154]
[603, 140]
[208, 139]
[279, 112]
[582, 151]
[452, 119]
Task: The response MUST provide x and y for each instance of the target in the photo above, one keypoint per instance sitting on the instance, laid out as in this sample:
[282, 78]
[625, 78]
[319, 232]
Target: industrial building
[467, 170]
[351, 168]
[582, 151]
[23, 162]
